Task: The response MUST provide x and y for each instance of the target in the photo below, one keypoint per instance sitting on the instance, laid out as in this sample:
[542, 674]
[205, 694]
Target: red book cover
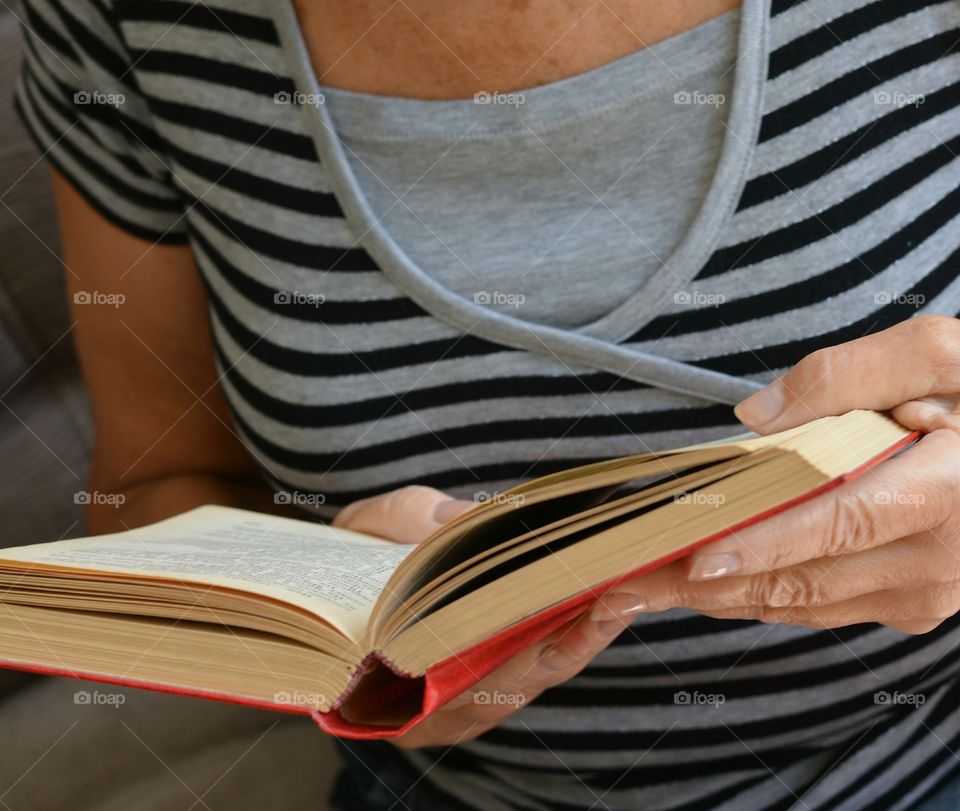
[379, 684]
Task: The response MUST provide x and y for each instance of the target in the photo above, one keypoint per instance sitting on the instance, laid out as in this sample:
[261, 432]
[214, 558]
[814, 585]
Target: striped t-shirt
[349, 371]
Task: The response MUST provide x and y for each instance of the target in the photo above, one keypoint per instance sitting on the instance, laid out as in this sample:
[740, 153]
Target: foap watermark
[884, 297]
[697, 97]
[295, 97]
[97, 498]
[513, 499]
[896, 497]
[94, 698]
[696, 698]
[497, 98]
[99, 98]
[96, 297]
[896, 698]
[299, 498]
[694, 298]
[496, 698]
[298, 297]
[708, 499]
[298, 698]
[895, 98]
[498, 298]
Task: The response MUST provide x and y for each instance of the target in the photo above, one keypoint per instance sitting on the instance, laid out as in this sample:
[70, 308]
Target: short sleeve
[77, 96]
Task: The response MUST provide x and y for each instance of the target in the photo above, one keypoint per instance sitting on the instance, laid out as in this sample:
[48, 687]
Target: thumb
[408, 515]
[912, 360]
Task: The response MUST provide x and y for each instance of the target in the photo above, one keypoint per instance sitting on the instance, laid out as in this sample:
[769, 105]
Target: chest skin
[433, 49]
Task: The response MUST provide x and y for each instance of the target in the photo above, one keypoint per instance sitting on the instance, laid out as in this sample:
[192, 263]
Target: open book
[369, 636]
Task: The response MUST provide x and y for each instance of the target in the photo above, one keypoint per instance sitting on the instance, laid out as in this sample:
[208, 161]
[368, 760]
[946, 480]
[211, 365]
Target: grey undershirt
[558, 202]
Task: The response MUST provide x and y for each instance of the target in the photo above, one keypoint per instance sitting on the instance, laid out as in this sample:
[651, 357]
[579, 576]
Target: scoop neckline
[364, 116]
[595, 343]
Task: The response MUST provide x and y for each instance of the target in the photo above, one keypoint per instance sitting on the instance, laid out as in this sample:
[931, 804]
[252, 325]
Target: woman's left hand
[884, 548]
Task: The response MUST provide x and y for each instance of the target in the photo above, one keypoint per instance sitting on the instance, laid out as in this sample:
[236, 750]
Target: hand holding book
[410, 516]
[884, 548]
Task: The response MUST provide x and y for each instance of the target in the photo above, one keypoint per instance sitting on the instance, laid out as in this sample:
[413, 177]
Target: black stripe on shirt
[831, 95]
[840, 30]
[839, 152]
[204, 16]
[823, 224]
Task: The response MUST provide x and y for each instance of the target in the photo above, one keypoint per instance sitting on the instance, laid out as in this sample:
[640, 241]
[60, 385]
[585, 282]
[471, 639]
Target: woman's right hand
[412, 514]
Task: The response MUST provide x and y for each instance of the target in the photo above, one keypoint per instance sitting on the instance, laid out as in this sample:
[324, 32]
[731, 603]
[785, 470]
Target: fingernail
[707, 567]
[617, 607]
[763, 407]
[557, 657]
[447, 510]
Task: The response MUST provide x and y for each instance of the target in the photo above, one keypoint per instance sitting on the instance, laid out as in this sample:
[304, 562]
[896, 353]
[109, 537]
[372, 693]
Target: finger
[556, 658]
[406, 515]
[912, 492]
[552, 661]
[493, 698]
[876, 607]
[911, 360]
[812, 582]
[916, 562]
[907, 611]
[929, 414]
[483, 706]
[443, 728]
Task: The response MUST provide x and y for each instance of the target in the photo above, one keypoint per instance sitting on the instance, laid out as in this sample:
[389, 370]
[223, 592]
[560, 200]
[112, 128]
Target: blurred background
[140, 750]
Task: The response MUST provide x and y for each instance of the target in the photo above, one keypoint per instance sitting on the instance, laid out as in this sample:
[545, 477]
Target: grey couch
[155, 752]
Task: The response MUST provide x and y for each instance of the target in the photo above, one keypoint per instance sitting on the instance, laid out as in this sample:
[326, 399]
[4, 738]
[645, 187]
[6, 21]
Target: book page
[332, 572]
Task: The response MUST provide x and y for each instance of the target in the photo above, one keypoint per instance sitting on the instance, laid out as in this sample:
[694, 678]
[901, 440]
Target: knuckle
[938, 328]
[406, 497]
[817, 366]
[790, 589]
[776, 616]
[413, 492]
[922, 627]
[946, 443]
[941, 333]
[942, 603]
[780, 552]
[852, 523]
[757, 614]
[944, 569]
[940, 484]
[515, 682]
[757, 592]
